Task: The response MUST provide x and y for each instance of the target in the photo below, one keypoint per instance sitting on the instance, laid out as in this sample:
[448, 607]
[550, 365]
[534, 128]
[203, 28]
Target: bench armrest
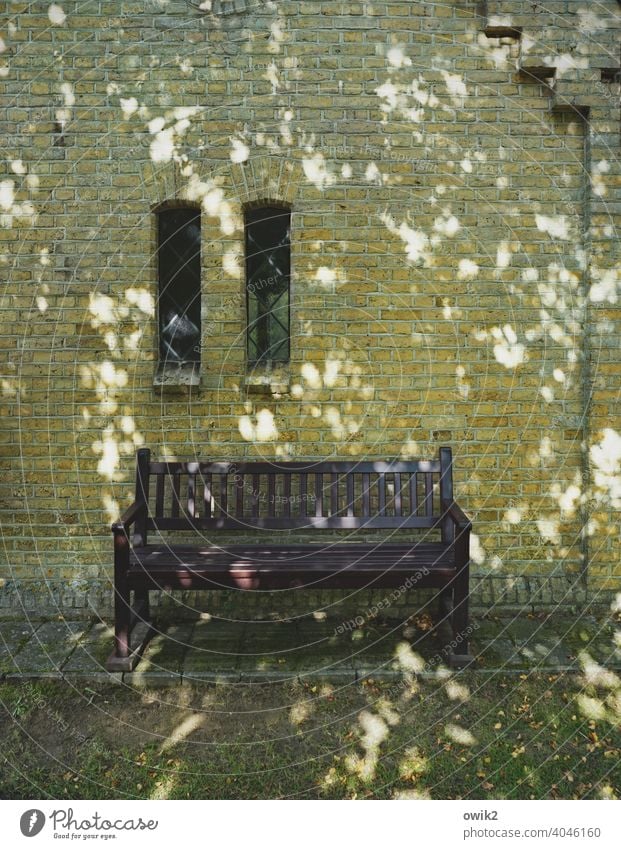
[459, 517]
[128, 517]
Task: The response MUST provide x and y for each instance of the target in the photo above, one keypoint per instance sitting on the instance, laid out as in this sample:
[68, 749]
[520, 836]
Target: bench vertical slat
[176, 495]
[239, 495]
[397, 494]
[366, 487]
[207, 496]
[159, 496]
[350, 494]
[256, 484]
[381, 489]
[413, 494]
[224, 496]
[318, 495]
[287, 494]
[334, 495]
[271, 495]
[429, 493]
[303, 489]
[192, 496]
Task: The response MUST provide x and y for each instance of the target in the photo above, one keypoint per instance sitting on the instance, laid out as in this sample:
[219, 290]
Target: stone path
[210, 649]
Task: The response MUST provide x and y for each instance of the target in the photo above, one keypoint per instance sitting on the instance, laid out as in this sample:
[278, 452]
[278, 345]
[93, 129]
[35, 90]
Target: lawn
[453, 736]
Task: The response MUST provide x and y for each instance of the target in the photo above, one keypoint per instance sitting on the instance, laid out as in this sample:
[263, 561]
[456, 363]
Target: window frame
[264, 206]
[168, 366]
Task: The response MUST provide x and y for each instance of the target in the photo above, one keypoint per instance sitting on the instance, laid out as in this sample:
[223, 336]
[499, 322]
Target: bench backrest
[259, 496]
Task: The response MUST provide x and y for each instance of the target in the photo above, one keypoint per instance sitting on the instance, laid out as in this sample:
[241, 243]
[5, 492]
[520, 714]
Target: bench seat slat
[289, 565]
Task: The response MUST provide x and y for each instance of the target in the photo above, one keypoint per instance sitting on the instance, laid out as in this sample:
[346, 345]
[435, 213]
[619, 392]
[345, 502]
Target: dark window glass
[179, 262]
[268, 272]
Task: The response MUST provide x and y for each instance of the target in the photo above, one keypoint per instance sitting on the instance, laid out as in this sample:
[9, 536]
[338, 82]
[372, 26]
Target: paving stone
[50, 645]
[214, 651]
[13, 637]
[498, 654]
[271, 651]
[165, 653]
[92, 650]
[548, 653]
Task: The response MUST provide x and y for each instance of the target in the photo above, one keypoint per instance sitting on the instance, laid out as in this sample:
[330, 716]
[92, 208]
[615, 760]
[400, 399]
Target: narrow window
[179, 270]
[268, 272]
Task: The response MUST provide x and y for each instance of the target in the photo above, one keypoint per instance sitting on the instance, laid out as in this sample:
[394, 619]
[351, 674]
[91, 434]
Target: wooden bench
[277, 506]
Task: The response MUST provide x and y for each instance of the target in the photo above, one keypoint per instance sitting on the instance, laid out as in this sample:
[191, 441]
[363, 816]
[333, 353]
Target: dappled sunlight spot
[183, 731]
[568, 499]
[316, 171]
[239, 151]
[101, 307]
[374, 731]
[163, 146]
[262, 429]
[142, 299]
[460, 735]
[455, 86]
[409, 660]
[547, 393]
[329, 277]
[397, 57]
[446, 225]
[18, 167]
[411, 794]
[231, 263]
[590, 22]
[301, 711]
[108, 448]
[556, 226]
[606, 461]
[410, 450]
[463, 387]
[311, 375]
[416, 241]
[413, 765]
[373, 174]
[457, 692]
[507, 350]
[10, 388]
[272, 76]
[503, 255]
[549, 530]
[591, 708]
[111, 506]
[42, 303]
[129, 105]
[477, 552]
[605, 285]
[56, 15]
[513, 516]
[467, 270]
[163, 788]
[7, 194]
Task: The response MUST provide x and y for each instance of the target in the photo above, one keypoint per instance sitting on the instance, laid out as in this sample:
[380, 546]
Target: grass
[466, 736]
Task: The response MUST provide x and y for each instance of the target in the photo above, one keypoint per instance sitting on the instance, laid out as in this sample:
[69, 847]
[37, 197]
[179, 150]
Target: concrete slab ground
[211, 649]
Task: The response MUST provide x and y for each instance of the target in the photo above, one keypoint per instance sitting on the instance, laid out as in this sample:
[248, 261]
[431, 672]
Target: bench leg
[132, 629]
[460, 655]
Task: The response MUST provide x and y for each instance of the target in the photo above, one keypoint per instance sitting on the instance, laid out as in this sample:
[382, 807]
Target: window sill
[182, 375]
[270, 382]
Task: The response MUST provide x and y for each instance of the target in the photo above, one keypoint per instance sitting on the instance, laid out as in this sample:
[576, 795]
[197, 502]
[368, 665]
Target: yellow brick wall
[454, 253]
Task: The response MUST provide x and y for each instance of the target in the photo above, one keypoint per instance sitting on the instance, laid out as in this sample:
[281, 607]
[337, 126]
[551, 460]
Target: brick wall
[453, 171]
